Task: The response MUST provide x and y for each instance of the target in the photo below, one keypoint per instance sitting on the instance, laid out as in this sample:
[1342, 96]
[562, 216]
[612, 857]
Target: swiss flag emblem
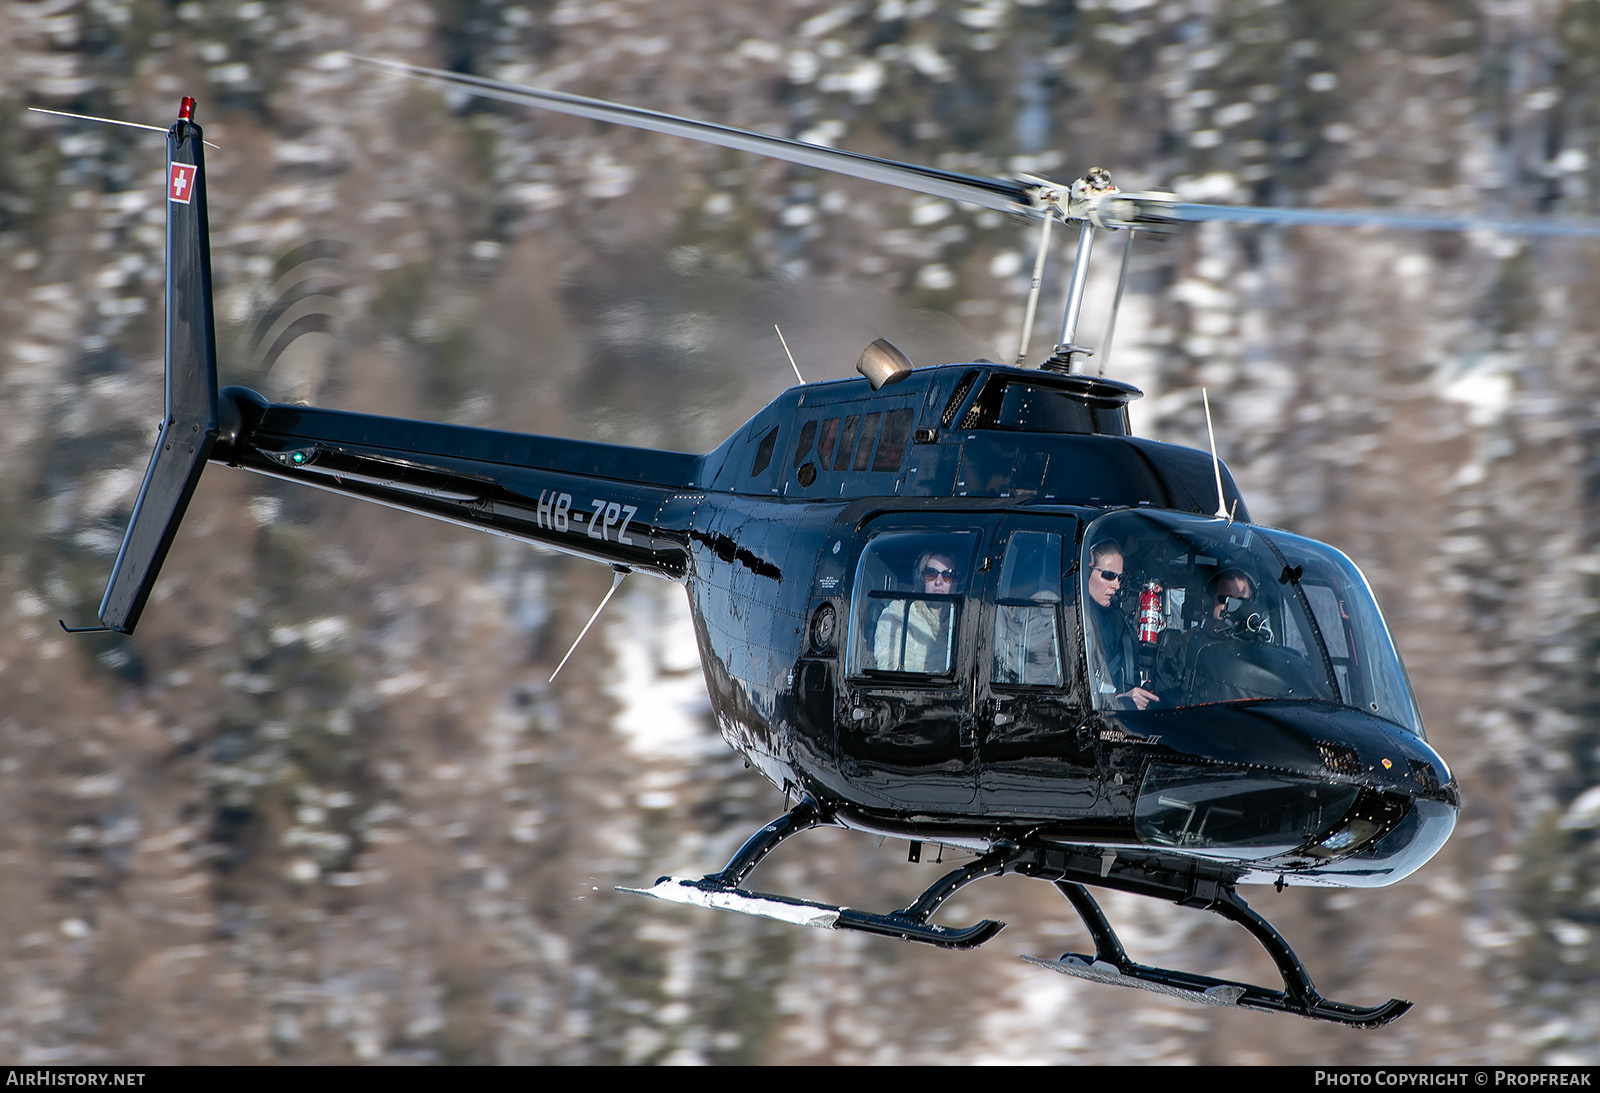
[180, 183]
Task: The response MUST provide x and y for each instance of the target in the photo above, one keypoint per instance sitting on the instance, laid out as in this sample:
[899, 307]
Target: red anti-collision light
[186, 109]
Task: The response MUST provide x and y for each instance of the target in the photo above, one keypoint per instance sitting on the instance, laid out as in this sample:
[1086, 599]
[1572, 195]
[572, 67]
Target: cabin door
[1033, 758]
[906, 735]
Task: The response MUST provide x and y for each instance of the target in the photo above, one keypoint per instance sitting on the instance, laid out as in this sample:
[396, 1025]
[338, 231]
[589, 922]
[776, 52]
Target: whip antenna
[1216, 464]
[790, 355]
[616, 582]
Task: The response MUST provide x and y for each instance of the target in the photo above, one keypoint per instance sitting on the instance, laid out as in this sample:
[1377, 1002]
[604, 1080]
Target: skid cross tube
[910, 923]
[802, 817]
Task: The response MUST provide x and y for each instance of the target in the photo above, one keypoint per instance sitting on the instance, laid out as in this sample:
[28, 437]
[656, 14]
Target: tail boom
[624, 506]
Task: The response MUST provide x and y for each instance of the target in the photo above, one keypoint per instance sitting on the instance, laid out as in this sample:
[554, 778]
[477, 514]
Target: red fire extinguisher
[1151, 614]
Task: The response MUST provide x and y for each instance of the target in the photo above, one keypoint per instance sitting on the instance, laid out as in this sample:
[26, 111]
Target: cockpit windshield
[1183, 611]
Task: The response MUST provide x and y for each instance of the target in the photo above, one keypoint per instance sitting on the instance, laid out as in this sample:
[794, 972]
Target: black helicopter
[958, 605]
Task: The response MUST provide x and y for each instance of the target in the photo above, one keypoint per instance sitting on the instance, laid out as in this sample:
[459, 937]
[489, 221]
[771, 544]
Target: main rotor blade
[1149, 212]
[1376, 218]
[109, 121]
[990, 193]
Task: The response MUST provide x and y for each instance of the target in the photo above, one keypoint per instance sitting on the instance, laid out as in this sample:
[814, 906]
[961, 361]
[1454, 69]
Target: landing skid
[722, 891]
[1181, 881]
[1110, 964]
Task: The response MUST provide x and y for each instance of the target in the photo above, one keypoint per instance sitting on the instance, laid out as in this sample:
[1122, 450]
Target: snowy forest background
[324, 807]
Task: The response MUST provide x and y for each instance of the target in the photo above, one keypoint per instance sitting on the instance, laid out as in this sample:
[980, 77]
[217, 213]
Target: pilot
[1230, 583]
[1229, 592]
[1119, 666]
[913, 635]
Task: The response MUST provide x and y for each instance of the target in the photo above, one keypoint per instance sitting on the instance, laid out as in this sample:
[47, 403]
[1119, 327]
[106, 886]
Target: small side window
[808, 433]
[764, 452]
[847, 442]
[869, 440]
[892, 444]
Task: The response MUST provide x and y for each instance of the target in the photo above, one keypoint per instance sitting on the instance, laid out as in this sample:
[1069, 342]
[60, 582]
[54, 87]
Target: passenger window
[909, 589]
[825, 438]
[1027, 640]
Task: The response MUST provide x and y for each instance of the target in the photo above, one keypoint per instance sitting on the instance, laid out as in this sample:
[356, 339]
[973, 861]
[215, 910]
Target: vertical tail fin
[190, 425]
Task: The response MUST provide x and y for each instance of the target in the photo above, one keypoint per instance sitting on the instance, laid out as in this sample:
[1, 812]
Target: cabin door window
[908, 598]
[1026, 649]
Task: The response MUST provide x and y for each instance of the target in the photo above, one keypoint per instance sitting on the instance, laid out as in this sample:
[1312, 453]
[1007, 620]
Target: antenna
[790, 355]
[1216, 464]
[616, 582]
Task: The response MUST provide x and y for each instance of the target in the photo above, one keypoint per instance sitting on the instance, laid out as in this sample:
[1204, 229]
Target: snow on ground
[664, 711]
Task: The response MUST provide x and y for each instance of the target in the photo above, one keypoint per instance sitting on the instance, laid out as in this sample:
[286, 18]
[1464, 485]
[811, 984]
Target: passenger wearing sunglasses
[1117, 668]
[913, 635]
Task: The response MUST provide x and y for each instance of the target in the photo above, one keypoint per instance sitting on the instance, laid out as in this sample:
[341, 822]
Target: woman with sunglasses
[1119, 667]
[914, 635]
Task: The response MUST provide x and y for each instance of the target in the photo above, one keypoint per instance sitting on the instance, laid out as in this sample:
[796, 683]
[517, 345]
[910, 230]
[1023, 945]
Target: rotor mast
[1092, 201]
[1067, 347]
